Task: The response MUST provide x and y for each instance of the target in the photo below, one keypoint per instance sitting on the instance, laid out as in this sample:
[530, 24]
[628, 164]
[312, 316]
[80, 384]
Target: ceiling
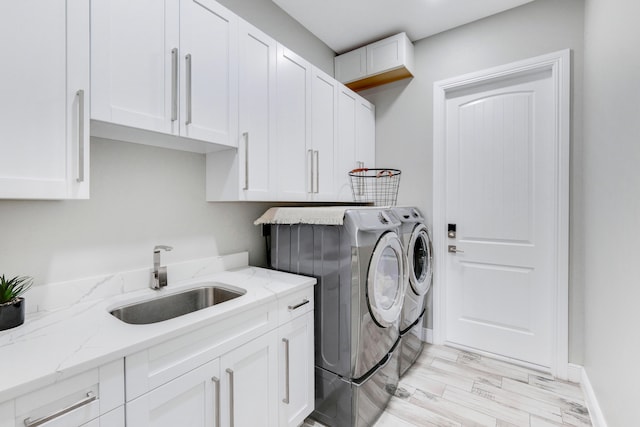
[347, 24]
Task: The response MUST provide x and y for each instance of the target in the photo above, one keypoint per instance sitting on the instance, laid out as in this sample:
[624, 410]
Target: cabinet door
[134, 54]
[190, 400]
[366, 133]
[44, 128]
[257, 113]
[293, 130]
[346, 147]
[250, 383]
[324, 116]
[386, 54]
[296, 370]
[209, 83]
[114, 418]
[351, 65]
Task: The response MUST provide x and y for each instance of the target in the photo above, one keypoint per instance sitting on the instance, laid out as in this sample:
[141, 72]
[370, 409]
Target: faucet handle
[157, 248]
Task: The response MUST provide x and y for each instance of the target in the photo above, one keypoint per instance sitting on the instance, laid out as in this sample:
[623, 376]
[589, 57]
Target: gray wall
[268, 17]
[611, 206]
[404, 110]
[142, 196]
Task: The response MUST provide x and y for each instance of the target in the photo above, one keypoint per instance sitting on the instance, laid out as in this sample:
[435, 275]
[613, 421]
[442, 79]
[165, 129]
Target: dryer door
[386, 280]
[420, 260]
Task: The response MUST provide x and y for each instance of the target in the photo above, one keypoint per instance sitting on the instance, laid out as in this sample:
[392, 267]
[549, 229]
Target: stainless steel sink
[174, 305]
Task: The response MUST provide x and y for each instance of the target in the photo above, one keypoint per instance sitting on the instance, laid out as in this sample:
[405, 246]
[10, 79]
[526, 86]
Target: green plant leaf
[13, 288]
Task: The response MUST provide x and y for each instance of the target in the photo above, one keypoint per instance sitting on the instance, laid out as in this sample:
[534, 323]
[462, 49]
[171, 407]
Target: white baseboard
[426, 335]
[574, 373]
[597, 417]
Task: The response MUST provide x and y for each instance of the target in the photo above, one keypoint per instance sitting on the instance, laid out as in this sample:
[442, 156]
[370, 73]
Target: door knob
[453, 249]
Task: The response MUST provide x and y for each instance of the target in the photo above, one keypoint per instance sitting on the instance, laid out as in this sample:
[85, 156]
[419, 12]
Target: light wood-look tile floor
[448, 387]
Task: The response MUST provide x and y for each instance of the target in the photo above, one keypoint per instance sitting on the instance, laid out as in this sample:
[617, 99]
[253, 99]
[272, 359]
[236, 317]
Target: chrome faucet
[159, 272]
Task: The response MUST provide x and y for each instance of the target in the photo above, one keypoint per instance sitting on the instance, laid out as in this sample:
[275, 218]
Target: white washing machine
[417, 246]
[361, 273]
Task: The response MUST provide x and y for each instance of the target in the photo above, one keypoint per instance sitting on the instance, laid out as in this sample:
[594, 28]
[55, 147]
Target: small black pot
[12, 314]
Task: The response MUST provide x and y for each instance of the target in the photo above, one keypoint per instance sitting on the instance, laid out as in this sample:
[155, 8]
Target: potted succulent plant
[11, 301]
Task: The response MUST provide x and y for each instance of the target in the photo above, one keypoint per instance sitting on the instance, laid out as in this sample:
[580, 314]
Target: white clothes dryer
[417, 246]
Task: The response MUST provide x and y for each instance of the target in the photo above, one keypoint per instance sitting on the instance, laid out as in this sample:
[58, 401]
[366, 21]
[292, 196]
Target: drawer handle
[295, 307]
[90, 398]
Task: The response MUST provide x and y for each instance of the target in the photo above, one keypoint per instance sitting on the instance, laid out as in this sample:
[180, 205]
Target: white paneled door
[502, 194]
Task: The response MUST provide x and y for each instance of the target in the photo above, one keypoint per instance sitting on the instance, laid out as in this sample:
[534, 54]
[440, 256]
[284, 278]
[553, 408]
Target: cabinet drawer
[295, 304]
[157, 365]
[73, 401]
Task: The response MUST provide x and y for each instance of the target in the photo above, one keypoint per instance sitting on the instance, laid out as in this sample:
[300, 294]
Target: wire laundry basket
[377, 186]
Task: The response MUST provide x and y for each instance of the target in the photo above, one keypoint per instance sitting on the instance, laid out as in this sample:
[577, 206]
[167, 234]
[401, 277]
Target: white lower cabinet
[94, 398]
[250, 384]
[235, 373]
[296, 370]
[192, 399]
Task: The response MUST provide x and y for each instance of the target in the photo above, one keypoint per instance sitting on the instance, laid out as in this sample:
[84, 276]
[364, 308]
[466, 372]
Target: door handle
[286, 370]
[231, 405]
[81, 118]
[174, 84]
[316, 156]
[310, 159]
[453, 250]
[216, 382]
[246, 160]
[187, 59]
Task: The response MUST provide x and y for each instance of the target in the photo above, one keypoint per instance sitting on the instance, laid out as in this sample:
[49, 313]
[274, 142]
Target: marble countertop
[57, 344]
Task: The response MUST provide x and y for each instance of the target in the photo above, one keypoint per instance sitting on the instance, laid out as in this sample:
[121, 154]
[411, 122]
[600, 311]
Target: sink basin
[174, 305]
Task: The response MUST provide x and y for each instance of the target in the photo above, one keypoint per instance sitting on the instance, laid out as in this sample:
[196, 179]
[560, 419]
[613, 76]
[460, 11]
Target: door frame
[559, 63]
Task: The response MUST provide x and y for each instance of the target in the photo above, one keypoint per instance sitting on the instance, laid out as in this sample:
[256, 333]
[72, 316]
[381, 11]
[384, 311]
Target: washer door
[420, 260]
[386, 280]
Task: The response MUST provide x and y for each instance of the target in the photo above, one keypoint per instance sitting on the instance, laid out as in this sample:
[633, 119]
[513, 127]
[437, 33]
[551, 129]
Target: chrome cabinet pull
[294, 307]
[317, 167]
[80, 95]
[216, 382]
[188, 94]
[90, 398]
[246, 160]
[174, 84]
[286, 370]
[310, 159]
[230, 373]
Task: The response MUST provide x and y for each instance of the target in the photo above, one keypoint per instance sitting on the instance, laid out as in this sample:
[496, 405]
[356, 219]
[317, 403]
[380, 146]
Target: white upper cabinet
[346, 147]
[378, 63]
[208, 44]
[365, 133]
[44, 115]
[248, 173]
[324, 132]
[164, 66]
[356, 139]
[257, 113]
[351, 66]
[293, 117]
